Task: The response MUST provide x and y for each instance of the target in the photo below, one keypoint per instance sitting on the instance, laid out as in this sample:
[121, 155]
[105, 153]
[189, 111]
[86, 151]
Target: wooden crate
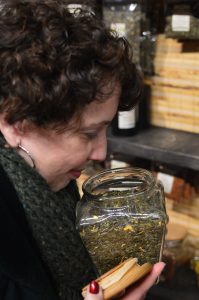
[171, 45]
[187, 83]
[190, 223]
[177, 60]
[174, 99]
[177, 65]
[167, 45]
[174, 107]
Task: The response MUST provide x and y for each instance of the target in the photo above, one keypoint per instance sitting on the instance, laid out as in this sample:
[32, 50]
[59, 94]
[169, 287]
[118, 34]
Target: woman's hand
[94, 292]
[136, 292]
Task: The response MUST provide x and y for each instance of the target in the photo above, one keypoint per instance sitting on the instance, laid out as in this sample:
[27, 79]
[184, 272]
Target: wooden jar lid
[119, 278]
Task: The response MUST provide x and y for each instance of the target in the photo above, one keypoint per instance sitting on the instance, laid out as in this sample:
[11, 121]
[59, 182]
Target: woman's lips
[75, 173]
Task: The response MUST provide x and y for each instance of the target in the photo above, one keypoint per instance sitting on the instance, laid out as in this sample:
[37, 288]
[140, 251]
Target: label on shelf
[120, 28]
[180, 23]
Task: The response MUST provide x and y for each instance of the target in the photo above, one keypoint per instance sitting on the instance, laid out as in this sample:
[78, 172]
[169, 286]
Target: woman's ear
[11, 132]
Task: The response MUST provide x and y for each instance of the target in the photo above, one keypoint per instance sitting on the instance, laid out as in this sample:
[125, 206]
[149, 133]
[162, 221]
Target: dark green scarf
[51, 217]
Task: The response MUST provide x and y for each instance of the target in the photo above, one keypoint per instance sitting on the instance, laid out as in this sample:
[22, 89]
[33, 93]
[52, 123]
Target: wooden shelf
[165, 145]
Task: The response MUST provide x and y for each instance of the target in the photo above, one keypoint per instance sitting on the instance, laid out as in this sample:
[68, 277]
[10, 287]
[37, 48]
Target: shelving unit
[173, 147]
[160, 144]
[170, 146]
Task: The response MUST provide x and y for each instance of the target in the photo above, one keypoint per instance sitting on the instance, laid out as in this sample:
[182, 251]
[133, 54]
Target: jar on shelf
[182, 20]
[195, 265]
[124, 17]
[174, 253]
[74, 6]
[122, 214]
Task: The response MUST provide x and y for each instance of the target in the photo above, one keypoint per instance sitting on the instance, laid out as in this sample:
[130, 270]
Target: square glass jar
[122, 214]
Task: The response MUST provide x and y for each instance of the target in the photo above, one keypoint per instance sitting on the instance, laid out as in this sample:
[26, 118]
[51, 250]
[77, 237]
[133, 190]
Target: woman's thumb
[94, 291]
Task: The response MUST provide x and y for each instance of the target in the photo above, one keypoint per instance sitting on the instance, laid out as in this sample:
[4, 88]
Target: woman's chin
[57, 186]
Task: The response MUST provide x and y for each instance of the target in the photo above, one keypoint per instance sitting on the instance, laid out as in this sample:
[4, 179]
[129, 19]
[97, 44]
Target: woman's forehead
[98, 112]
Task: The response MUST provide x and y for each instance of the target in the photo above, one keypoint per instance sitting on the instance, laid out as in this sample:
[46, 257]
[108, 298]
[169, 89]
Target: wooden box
[174, 101]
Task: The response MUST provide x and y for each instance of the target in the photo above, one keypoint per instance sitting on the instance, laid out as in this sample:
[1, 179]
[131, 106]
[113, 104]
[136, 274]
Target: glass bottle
[125, 123]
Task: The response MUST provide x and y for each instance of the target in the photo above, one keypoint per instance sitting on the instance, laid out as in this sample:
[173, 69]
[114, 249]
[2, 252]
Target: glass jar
[174, 253]
[174, 256]
[182, 21]
[74, 6]
[195, 266]
[124, 17]
[122, 214]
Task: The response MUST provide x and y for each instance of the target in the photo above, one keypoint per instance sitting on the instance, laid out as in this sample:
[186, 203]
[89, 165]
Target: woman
[62, 78]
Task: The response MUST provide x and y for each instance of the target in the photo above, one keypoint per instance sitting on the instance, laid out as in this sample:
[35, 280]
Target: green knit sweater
[51, 217]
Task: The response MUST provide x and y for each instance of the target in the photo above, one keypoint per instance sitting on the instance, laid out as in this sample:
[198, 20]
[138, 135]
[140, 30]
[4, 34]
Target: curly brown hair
[53, 62]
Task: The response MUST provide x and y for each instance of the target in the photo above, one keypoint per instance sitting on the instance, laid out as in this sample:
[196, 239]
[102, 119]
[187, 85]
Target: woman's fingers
[94, 292]
[155, 273]
[138, 292]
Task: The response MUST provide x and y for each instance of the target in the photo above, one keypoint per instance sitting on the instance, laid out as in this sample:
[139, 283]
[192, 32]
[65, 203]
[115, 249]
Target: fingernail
[164, 265]
[94, 287]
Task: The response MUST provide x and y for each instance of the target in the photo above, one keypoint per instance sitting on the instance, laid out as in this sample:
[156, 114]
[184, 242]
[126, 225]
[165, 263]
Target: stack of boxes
[175, 86]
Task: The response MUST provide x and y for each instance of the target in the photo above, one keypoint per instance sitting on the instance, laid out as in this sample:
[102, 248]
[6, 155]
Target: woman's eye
[91, 135]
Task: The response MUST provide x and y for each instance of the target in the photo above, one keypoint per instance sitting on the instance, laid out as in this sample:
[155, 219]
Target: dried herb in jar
[136, 238]
[124, 234]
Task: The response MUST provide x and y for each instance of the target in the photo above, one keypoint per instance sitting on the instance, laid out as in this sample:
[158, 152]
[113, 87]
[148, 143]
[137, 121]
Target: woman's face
[61, 157]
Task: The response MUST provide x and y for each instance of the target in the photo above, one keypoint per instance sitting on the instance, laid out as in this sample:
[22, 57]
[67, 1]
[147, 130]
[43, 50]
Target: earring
[28, 153]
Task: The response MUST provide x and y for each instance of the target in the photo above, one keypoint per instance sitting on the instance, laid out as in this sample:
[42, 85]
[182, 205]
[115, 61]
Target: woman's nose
[99, 149]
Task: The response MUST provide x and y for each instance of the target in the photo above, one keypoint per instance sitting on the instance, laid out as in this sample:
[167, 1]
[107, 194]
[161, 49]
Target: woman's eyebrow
[96, 125]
